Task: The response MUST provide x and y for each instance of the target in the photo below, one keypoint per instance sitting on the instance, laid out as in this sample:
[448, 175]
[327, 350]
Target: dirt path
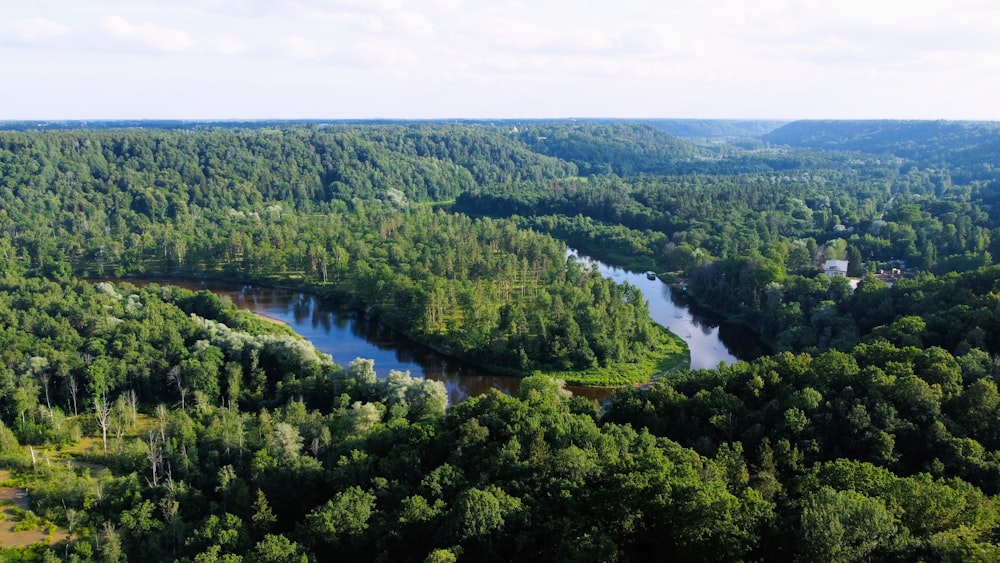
[19, 498]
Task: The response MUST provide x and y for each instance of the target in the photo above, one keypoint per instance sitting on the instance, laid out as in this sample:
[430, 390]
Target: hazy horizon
[363, 120]
[241, 60]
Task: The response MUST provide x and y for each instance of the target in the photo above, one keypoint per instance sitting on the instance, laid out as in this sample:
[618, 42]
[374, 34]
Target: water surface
[347, 336]
[711, 340]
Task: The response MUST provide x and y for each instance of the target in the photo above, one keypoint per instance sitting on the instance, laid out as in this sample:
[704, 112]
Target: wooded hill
[342, 211]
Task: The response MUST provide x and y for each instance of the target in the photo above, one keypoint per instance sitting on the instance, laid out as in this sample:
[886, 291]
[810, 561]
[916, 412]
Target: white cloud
[303, 48]
[226, 45]
[360, 54]
[158, 38]
[374, 55]
[855, 32]
[448, 5]
[709, 57]
[36, 31]
[414, 24]
[346, 21]
[382, 6]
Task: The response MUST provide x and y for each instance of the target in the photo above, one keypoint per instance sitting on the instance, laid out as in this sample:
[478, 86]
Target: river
[711, 340]
[346, 337]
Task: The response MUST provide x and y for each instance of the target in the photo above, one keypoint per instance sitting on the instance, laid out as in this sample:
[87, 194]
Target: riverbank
[672, 356]
[670, 353]
[270, 319]
[757, 346]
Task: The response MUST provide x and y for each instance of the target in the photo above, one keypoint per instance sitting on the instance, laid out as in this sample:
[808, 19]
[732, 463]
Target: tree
[429, 398]
[448, 555]
[478, 513]
[541, 388]
[362, 417]
[841, 526]
[277, 549]
[362, 370]
[835, 249]
[120, 419]
[342, 519]
[25, 397]
[219, 535]
[73, 390]
[176, 374]
[855, 268]
[234, 384]
[263, 518]
[155, 456]
[286, 441]
[39, 366]
[102, 414]
[131, 403]
[110, 544]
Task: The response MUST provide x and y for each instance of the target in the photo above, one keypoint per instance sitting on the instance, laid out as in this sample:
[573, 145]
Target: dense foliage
[963, 147]
[789, 456]
[339, 210]
[878, 435]
[749, 230]
[161, 424]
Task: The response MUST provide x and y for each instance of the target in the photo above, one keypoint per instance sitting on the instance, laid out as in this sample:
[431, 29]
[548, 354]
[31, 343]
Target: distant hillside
[624, 148]
[164, 124]
[709, 128]
[922, 141]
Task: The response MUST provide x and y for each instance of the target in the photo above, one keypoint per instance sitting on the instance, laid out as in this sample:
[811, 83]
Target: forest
[150, 422]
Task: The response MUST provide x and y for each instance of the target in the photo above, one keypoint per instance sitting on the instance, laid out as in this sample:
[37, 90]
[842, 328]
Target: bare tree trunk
[132, 402]
[161, 420]
[48, 403]
[118, 421]
[102, 412]
[155, 457]
[240, 434]
[175, 375]
[72, 392]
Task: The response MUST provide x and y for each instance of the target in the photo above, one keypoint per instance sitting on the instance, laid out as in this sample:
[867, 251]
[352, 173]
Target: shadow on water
[711, 340]
[737, 340]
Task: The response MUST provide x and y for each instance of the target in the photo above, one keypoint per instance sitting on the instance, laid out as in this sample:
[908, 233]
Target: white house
[835, 268]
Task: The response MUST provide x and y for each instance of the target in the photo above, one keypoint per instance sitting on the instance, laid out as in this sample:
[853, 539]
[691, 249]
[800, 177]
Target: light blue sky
[255, 59]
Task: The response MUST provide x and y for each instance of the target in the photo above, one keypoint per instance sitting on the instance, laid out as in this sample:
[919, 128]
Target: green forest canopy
[163, 424]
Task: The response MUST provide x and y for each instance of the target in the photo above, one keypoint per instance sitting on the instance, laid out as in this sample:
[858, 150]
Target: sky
[498, 59]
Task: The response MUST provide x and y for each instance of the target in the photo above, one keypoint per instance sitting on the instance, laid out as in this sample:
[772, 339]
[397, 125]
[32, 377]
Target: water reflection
[710, 339]
[349, 336]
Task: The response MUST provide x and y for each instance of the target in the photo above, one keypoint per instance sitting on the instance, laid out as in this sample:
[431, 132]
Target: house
[835, 268]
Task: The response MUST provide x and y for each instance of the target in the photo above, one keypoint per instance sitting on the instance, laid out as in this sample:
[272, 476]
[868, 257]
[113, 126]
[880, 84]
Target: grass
[26, 519]
[670, 356]
[24, 533]
[88, 451]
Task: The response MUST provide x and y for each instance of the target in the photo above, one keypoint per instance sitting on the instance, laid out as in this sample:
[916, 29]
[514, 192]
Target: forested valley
[150, 422]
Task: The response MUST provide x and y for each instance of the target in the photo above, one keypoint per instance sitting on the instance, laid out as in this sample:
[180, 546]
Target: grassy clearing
[670, 356]
[88, 451]
[21, 530]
